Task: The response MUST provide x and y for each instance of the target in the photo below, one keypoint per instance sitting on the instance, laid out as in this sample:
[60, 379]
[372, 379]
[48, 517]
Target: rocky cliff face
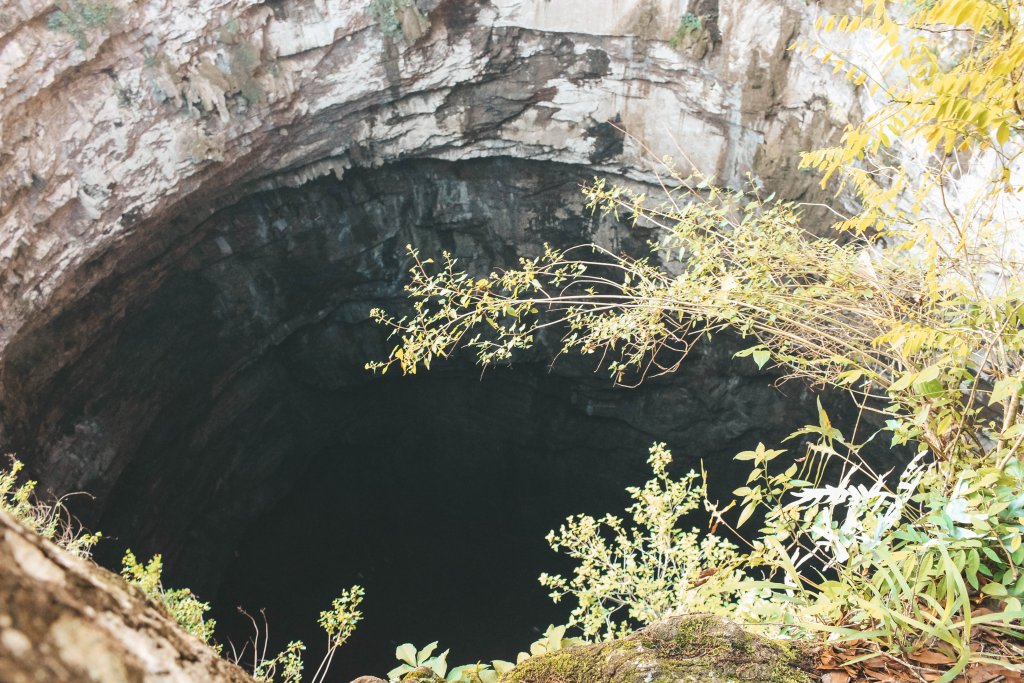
[201, 200]
[65, 619]
[124, 124]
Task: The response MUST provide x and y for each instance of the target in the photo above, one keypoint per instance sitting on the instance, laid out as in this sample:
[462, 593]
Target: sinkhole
[210, 396]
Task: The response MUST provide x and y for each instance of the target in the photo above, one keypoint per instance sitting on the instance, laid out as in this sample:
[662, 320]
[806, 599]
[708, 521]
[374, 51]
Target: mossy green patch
[575, 665]
[695, 648]
[76, 18]
[422, 674]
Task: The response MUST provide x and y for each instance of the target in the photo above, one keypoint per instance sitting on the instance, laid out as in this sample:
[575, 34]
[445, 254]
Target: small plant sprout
[339, 623]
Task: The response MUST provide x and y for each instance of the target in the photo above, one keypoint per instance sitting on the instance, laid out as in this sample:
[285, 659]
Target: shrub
[181, 604]
[632, 574]
[338, 623]
[52, 521]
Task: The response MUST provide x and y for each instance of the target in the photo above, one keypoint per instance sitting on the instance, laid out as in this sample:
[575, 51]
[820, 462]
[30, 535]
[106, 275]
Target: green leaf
[406, 653]
[903, 382]
[438, 664]
[930, 389]
[994, 589]
[427, 650]
[501, 666]
[748, 510]
[928, 374]
[761, 357]
[1014, 431]
[459, 673]
[399, 670]
[849, 377]
[1003, 389]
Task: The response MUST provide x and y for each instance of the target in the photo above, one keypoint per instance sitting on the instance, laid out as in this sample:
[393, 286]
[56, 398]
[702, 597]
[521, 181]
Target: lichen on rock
[692, 648]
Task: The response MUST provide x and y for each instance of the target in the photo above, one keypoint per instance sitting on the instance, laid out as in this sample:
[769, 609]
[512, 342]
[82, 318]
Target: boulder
[697, 648]
[63, 619]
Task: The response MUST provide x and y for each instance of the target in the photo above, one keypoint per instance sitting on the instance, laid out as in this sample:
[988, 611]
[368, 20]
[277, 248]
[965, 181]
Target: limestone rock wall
[117, 116]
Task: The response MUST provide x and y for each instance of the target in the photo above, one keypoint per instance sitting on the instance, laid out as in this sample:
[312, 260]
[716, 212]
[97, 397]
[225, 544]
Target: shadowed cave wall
[220, 415]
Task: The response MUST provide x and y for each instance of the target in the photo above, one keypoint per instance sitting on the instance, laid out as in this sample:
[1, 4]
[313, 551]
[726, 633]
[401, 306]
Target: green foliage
[902, 566]
[631, 574]
[553, 640]
[412, 659]
[947, 75]
[338, 623]
[76, 18]
[181, 604]
[289, 661]
[748, 266]
[688, 25]
[52, 521]
[966, 98]
[887, 324]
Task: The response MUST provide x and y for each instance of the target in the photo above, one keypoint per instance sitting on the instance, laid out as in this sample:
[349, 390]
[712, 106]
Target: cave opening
[435, 494]
[213, 400]
[435, 498]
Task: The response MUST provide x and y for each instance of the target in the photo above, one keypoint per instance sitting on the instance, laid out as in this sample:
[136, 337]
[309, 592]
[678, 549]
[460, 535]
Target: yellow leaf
[745, 514]
[1003, 133]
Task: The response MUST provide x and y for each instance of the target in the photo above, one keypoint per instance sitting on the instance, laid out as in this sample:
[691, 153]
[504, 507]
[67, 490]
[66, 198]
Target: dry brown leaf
[882, 677]
[984, 674]
[992, 672]
[931, 657]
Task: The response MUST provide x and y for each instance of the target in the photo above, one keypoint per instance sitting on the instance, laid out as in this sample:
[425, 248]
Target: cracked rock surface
[65, 619]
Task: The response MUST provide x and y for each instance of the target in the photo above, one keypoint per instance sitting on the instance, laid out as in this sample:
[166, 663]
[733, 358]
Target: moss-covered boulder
[693, 648]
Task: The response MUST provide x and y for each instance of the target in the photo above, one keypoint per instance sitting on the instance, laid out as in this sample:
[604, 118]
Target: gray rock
[64, 619]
